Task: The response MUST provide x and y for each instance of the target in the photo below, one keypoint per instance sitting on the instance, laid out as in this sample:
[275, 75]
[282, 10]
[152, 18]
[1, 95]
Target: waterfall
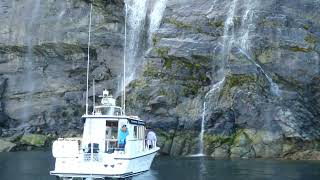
[29, 86]
[228, 38]
[273, 86]
[136, 13]
[201, 146]
[28, 83]
[210, 93]
[247, 25]
[155, 16]
[58, 25]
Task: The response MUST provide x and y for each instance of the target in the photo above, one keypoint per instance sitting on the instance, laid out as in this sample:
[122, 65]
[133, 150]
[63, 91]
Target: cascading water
[155, 16]
[212, 91]
[28, 82]
[136, 12]
[201, 148]
[58, 25]
[273, 86]
[245, 44]
[228, 38]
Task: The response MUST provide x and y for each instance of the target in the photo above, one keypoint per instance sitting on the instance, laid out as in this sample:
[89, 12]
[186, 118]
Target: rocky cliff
[253, 64]
[245, 72]
[43, 56]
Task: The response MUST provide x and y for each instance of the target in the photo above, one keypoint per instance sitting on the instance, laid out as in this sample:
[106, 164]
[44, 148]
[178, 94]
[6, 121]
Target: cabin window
[111, 130]
[140, 134]
[135, 131]
[112, 111]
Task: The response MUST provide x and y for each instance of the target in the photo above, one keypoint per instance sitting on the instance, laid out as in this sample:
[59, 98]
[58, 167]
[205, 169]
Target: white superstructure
[96, 154]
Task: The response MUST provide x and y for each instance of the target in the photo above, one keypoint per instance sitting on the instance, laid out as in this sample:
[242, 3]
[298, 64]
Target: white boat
[96, 154]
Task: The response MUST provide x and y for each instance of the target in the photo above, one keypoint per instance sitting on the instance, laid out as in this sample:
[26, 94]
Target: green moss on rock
[310, 39]
[37, 140]
[266, 56]
[138, 84]
[155, 40]
[4, 49]
[179, 24]
[216, 24]
[191, 89]
[202, 59]
[306, 26]
[151, 71]
[214, 141]
[168, 63]
[162, 51]
[238, 80]
[299, 49]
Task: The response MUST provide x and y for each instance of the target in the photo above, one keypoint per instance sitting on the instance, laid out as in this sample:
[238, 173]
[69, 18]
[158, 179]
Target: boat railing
[111, 146]
[147, 143]
[70, 139]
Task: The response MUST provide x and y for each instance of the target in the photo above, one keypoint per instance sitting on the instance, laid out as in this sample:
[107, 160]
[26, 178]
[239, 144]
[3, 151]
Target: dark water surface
[36, 166]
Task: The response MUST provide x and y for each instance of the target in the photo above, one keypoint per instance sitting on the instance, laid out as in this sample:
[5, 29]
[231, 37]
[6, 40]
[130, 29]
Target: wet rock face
[3, 118]
[252, 45]
[43, 56]
[6, 146]
[256, 42]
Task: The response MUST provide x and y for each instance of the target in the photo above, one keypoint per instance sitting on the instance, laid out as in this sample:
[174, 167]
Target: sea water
[36, 166]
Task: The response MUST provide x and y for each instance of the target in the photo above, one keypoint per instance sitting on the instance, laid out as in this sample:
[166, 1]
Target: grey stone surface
[43, 55]
[264, 41]
[6, 146]
[244, 118]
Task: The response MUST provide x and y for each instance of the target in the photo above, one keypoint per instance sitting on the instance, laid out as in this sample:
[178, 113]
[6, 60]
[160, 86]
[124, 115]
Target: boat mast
[94, 96]
[124, 60]
[88, 63]
[87, 93]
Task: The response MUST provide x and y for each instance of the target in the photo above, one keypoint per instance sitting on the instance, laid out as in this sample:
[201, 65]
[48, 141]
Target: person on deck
[151, 139]
[122, 137]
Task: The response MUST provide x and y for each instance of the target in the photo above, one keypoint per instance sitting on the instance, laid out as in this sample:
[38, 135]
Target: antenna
[88, 63]
[124, 60]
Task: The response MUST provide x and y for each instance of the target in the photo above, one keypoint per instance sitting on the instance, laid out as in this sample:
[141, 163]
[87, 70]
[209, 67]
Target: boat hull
[109, 167]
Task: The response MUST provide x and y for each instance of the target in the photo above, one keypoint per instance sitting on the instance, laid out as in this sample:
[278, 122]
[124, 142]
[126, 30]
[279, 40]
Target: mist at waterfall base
[36, 166]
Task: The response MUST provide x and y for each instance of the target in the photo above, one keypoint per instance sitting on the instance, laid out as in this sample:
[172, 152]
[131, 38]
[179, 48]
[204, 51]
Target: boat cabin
[102, 129]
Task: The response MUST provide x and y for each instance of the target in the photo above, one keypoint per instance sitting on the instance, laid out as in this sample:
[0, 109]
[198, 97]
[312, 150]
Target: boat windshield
[110, 110]
[111, 136]
[111, 130]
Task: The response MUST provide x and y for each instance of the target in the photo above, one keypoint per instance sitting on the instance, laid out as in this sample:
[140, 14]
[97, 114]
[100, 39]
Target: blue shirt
[122, 137]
